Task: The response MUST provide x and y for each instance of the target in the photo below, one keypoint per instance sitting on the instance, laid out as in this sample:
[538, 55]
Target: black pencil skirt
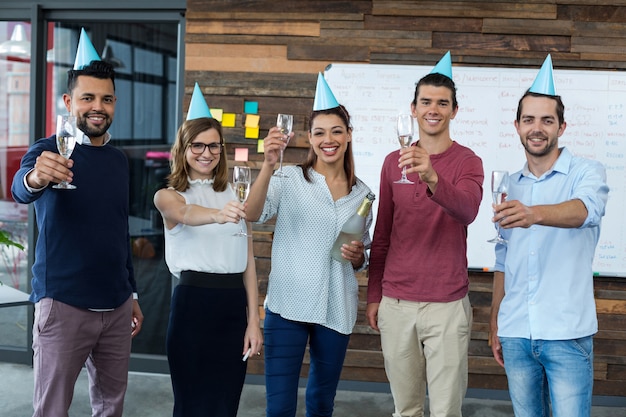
[205, 336]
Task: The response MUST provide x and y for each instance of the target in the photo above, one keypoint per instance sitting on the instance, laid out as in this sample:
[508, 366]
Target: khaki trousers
[425, 345]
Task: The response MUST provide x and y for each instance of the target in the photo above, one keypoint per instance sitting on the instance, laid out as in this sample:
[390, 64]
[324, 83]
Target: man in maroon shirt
[418, 282]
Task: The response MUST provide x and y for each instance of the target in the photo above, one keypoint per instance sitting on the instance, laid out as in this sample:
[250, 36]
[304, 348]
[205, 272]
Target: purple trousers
[64, 339]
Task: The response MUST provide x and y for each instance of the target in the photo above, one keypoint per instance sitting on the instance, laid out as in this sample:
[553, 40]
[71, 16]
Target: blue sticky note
[250, 107]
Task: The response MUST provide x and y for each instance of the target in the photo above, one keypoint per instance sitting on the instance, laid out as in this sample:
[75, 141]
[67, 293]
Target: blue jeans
[541, 372]
[285, 344]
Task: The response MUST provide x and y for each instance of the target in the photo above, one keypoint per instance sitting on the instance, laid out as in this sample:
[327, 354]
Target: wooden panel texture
[270, 52]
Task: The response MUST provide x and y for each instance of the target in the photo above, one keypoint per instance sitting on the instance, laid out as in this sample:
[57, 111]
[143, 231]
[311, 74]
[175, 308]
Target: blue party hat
[544, 82]
[324, 97]
[444, 66]
[85, 52]
[198, 107]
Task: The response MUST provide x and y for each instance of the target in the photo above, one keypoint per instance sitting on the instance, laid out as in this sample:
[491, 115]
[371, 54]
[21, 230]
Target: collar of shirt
[562, 165]
[203, 181]
[83, 139]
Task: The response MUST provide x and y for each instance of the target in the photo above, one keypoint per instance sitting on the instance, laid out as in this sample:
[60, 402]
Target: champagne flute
[241, 185]
[65, 139]
[404, 128]
[285, 123]
[499, 190]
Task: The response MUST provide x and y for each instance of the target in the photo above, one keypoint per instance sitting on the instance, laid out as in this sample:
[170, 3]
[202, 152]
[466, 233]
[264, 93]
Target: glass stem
[280, 168]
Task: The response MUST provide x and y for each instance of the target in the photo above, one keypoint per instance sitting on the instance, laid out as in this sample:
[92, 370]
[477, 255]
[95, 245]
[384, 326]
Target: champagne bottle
[352, 229]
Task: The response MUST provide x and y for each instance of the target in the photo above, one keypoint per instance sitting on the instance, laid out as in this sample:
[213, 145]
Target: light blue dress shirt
[548, 277]
[305, 283]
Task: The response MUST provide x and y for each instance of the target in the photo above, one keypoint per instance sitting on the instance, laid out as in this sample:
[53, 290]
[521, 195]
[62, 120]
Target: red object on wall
[13, 156]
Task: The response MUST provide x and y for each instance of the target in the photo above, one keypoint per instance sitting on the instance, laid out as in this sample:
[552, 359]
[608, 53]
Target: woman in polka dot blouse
[310, 297]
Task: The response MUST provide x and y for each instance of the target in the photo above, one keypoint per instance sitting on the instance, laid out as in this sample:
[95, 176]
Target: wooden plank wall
[271, 51]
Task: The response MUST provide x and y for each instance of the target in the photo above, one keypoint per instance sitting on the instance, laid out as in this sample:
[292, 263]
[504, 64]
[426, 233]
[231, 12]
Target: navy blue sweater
[82, 256]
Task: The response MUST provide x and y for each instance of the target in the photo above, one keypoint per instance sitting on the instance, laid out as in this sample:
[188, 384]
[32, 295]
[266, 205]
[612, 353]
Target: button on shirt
[548, 277]
[305, 283]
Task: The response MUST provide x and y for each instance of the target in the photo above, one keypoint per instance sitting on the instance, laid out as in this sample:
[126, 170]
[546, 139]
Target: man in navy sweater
[84, 290]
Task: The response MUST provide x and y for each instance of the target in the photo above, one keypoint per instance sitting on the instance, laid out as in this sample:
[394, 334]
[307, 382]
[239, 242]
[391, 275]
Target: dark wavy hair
[348, 157]
[97, 69]
[179, 168]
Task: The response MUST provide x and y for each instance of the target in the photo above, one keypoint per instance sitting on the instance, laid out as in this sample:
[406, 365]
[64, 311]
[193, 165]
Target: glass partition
[146, 61]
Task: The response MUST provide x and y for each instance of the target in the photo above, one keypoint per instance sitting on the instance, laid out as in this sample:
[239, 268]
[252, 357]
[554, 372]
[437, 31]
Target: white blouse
[210, 247]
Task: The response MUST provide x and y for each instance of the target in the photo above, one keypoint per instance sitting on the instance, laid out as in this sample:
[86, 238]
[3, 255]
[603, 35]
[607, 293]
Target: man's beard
[533, 151]
[93, 132]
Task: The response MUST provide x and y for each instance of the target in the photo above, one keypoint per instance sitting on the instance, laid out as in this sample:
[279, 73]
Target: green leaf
[5, 240]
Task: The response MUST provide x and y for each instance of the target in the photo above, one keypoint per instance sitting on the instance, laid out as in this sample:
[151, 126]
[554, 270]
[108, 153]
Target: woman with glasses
[214, 318]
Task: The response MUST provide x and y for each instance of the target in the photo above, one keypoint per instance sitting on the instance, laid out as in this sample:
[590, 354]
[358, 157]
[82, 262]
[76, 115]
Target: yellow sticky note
[260, 146]
[252, 133]
[217, 114]
[241, 154]
[252, 120]
[228, 120]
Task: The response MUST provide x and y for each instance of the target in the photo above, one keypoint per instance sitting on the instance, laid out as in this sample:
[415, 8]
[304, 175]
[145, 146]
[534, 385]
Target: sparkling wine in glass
[499, 190]
[285, 123]
[241, 186]
[65, 139]
[404, 128]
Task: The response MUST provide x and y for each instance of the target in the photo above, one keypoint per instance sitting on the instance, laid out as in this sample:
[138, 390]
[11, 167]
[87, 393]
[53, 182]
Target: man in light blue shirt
[543, 313]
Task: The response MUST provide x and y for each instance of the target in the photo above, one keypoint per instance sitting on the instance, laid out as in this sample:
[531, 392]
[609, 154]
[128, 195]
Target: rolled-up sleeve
[593, 191]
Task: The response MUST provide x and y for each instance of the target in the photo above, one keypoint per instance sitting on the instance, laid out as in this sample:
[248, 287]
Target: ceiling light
[107, 56]
[18, 46]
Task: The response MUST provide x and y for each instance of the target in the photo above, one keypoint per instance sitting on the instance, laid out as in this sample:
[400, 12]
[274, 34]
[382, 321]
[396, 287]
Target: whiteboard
[595, 112]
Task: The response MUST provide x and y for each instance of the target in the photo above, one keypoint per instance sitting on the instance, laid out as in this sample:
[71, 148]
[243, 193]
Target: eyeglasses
[199, 147]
